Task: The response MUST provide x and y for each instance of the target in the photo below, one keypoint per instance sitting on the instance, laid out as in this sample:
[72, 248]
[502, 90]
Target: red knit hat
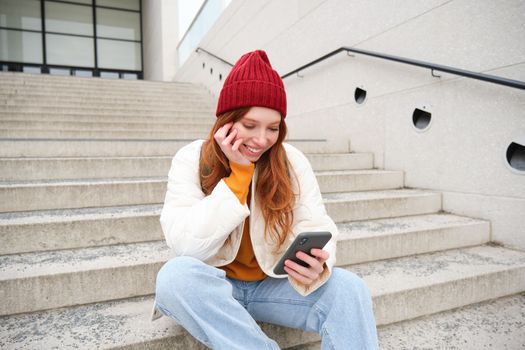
[252, 82]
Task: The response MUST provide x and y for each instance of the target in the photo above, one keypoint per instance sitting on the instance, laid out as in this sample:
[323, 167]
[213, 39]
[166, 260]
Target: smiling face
[259, 129]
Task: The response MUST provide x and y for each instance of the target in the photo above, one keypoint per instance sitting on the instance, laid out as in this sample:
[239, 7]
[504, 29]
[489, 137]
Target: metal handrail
[209, 53]
[434, 67]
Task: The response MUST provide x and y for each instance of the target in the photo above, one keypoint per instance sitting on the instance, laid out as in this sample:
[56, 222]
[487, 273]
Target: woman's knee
[349, 282]
[174, 276]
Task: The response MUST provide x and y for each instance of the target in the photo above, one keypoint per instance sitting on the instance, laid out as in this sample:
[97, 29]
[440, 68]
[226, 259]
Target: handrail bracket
[434, 75]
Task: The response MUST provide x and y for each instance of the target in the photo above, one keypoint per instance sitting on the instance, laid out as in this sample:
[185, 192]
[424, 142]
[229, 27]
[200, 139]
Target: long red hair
[273, 191]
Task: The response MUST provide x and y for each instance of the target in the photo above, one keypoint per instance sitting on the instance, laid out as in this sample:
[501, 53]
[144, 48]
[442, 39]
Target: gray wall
[462, 153]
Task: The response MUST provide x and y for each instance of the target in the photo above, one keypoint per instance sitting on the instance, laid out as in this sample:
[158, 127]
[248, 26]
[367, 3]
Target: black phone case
[305, 242]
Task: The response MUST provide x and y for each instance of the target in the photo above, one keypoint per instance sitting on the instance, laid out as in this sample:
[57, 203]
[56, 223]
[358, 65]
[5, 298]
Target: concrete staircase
[83, 167]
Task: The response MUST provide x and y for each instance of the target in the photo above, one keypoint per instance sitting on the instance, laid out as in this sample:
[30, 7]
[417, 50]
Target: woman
[234, 203]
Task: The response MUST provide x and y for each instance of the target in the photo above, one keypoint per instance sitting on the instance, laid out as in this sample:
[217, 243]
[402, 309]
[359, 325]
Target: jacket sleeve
[194, 224]
[310, 215]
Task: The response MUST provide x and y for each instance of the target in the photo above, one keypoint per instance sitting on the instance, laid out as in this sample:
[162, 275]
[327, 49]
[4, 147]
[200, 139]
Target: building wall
[160, 30]
[462, 153]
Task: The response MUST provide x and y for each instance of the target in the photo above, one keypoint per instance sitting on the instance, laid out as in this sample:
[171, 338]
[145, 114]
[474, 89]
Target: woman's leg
[340, 310]
[199, 298]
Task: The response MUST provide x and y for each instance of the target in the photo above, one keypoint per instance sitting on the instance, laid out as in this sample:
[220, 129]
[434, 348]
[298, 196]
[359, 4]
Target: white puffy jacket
[197, 225]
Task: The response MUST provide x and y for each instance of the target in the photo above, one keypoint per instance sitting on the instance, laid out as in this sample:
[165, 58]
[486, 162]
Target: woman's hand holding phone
[307, 275]
[226, 138]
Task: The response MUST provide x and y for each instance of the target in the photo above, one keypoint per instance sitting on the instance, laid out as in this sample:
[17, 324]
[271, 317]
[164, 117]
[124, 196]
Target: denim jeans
[221, 313]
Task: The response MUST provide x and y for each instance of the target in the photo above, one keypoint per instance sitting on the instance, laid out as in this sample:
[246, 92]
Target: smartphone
[304, 242]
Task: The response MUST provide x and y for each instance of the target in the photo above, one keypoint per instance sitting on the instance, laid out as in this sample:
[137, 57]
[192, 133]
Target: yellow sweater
[245, 266]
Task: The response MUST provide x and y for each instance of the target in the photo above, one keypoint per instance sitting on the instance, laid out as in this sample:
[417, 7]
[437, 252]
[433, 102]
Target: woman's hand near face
[307, 275]
[229, 144]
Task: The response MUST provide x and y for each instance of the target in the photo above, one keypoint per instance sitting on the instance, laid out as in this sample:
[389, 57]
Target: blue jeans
[221, 313]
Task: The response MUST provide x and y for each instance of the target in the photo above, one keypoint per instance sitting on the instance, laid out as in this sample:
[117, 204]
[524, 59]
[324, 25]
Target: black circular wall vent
[421, 118]
[516, 156]
[360, 95]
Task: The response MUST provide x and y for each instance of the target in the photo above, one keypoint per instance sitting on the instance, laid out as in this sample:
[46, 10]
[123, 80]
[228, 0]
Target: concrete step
[23, 79]
[57, 229]
[77, 194]
[186, 104]
[64, 194]
[108, 110]
[495, 324]
[122, 124]
[8, 93]
[379, 239]
[122, 324]
[353, 206]
[97, 85]
[89, 147]
[91, 117]
[85, 193]
[33, 231]
[73, 277]
[62, 147]
[107, 84]
[67, 98]
[103, 100]
[30, 80]
[45, 280]
[410, 287]
[55, 92]
[105, 134]
[20, 169]
[359, 180]
[402, 289]
[42, 91]
[341, 161]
